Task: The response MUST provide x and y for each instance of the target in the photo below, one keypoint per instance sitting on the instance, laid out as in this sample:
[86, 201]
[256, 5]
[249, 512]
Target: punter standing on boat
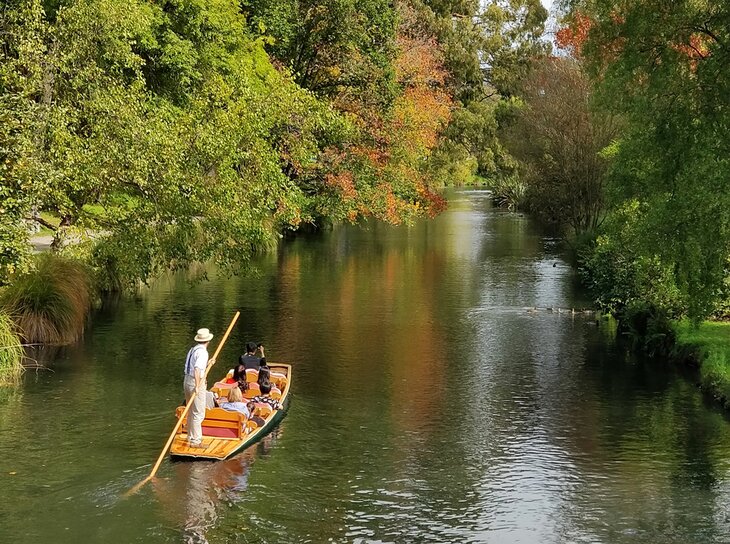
[195, 366]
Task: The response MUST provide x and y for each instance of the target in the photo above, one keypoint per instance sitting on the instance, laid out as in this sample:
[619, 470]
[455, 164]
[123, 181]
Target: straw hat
[203, 336]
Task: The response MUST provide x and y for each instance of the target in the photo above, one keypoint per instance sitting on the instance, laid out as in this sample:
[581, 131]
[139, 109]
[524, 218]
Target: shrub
[508, 191]
[619, 275]
[11, 352]
[50, 304]
[648, 328]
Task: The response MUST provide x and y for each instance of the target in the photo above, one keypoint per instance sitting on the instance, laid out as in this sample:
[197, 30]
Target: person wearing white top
[195, 366]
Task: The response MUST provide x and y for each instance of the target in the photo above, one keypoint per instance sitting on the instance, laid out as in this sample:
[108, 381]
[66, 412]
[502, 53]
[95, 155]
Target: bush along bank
[652, 317]
[707, 346]
[51, 303]
[704, 347]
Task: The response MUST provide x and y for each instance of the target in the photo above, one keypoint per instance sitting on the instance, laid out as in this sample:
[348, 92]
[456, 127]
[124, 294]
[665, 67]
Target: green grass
[710, 345]
[51, 218]
[11, 352]
[50, 304]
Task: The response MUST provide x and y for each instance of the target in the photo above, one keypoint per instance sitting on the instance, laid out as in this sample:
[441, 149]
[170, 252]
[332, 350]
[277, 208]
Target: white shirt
[197, 359]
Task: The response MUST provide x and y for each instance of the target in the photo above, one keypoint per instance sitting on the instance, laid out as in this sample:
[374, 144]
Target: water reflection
[429, 405]
[192, 495]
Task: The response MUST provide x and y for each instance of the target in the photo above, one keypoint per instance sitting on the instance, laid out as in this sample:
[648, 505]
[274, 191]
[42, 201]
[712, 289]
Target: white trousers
[196, 415]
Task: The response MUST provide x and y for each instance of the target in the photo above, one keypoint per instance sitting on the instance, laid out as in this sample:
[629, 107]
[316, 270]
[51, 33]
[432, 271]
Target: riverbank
[707, 346]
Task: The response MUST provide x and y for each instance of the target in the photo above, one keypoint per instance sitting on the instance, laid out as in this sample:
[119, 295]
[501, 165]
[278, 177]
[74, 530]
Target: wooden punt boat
[226, 433]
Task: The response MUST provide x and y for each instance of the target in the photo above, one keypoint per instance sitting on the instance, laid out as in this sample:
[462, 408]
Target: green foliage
[487, 48]
[474, 129]
[452, 165]
[487, 44]
[49, 304]
[21, 81]
[508, 191]
[160, 131]
[619, 275]
[11, 352]
[513, 34]
[648, 328]
[326, 55]
[663, 66]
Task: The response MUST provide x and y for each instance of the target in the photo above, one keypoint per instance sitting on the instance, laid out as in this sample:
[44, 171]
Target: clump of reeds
[50, 304]
[11, 352]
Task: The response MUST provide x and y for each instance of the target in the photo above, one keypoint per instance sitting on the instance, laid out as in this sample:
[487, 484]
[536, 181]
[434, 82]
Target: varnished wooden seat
[221, 423]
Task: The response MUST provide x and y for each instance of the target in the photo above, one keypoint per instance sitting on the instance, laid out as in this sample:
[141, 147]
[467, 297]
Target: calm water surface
[430, 405]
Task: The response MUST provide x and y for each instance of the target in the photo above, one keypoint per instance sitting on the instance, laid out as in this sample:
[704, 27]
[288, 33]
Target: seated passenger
[239, 377]
[211, 400]
[235, 403]
[256, 418]
[275, 404]
[264, 380]
[250, 360]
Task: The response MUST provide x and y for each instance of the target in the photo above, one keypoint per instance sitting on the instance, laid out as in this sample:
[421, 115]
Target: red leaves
[695, 49]
[574, 36]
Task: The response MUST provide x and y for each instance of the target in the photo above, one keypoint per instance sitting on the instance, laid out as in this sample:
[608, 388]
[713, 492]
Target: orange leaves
[344, 183]
[419, 116]
[695, 49]
[383, 173]
[574, 36]
[419, 62]
[424, 108]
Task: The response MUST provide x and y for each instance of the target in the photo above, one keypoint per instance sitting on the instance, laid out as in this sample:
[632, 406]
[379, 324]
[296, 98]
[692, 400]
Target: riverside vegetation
[148, 135]
[629, 157]
[155, 134]
[11, 351]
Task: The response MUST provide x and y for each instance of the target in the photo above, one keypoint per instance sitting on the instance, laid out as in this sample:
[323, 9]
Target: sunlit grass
[50, 304]
[11, 352]
[711, 343]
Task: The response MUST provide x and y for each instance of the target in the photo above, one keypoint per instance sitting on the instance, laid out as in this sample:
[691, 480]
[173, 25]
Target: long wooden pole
[186, 410]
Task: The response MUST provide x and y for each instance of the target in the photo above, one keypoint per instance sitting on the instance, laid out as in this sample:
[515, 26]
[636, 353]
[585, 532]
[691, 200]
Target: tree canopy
[157, 133]
[662, 67]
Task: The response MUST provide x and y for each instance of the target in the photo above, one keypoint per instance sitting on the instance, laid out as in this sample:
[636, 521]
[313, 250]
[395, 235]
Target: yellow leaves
[344, 182]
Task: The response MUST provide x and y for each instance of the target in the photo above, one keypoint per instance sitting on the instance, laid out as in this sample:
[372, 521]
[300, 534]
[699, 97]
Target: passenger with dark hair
[250, 360]
[264, 399]
[264, 380]
[239, 377]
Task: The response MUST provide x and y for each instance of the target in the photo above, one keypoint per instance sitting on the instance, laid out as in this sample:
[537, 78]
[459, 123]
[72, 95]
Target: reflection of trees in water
[193, 495]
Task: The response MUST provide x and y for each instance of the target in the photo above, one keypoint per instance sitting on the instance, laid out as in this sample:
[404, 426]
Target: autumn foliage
[384, 176]
[574, 36]
[694, 49]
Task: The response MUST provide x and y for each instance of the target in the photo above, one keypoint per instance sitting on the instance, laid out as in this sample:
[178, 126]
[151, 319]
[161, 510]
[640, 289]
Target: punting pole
[184, 412]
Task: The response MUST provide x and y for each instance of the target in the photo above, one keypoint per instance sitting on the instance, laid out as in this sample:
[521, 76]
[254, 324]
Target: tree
[487, 46]
[559, 140]
[158, 133]
[663, 67]
[326, 55]
[23, 84]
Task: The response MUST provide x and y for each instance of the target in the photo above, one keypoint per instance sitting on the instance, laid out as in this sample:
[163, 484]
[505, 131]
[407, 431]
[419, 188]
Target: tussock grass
[710, 342]
[11, 352]
[50, 304]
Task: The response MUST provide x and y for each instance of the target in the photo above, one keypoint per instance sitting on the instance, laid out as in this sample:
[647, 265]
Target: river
[430, 404]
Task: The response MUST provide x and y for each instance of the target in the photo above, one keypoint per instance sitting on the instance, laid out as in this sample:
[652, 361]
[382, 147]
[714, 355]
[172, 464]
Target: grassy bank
[11, 352]
[709, 346]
